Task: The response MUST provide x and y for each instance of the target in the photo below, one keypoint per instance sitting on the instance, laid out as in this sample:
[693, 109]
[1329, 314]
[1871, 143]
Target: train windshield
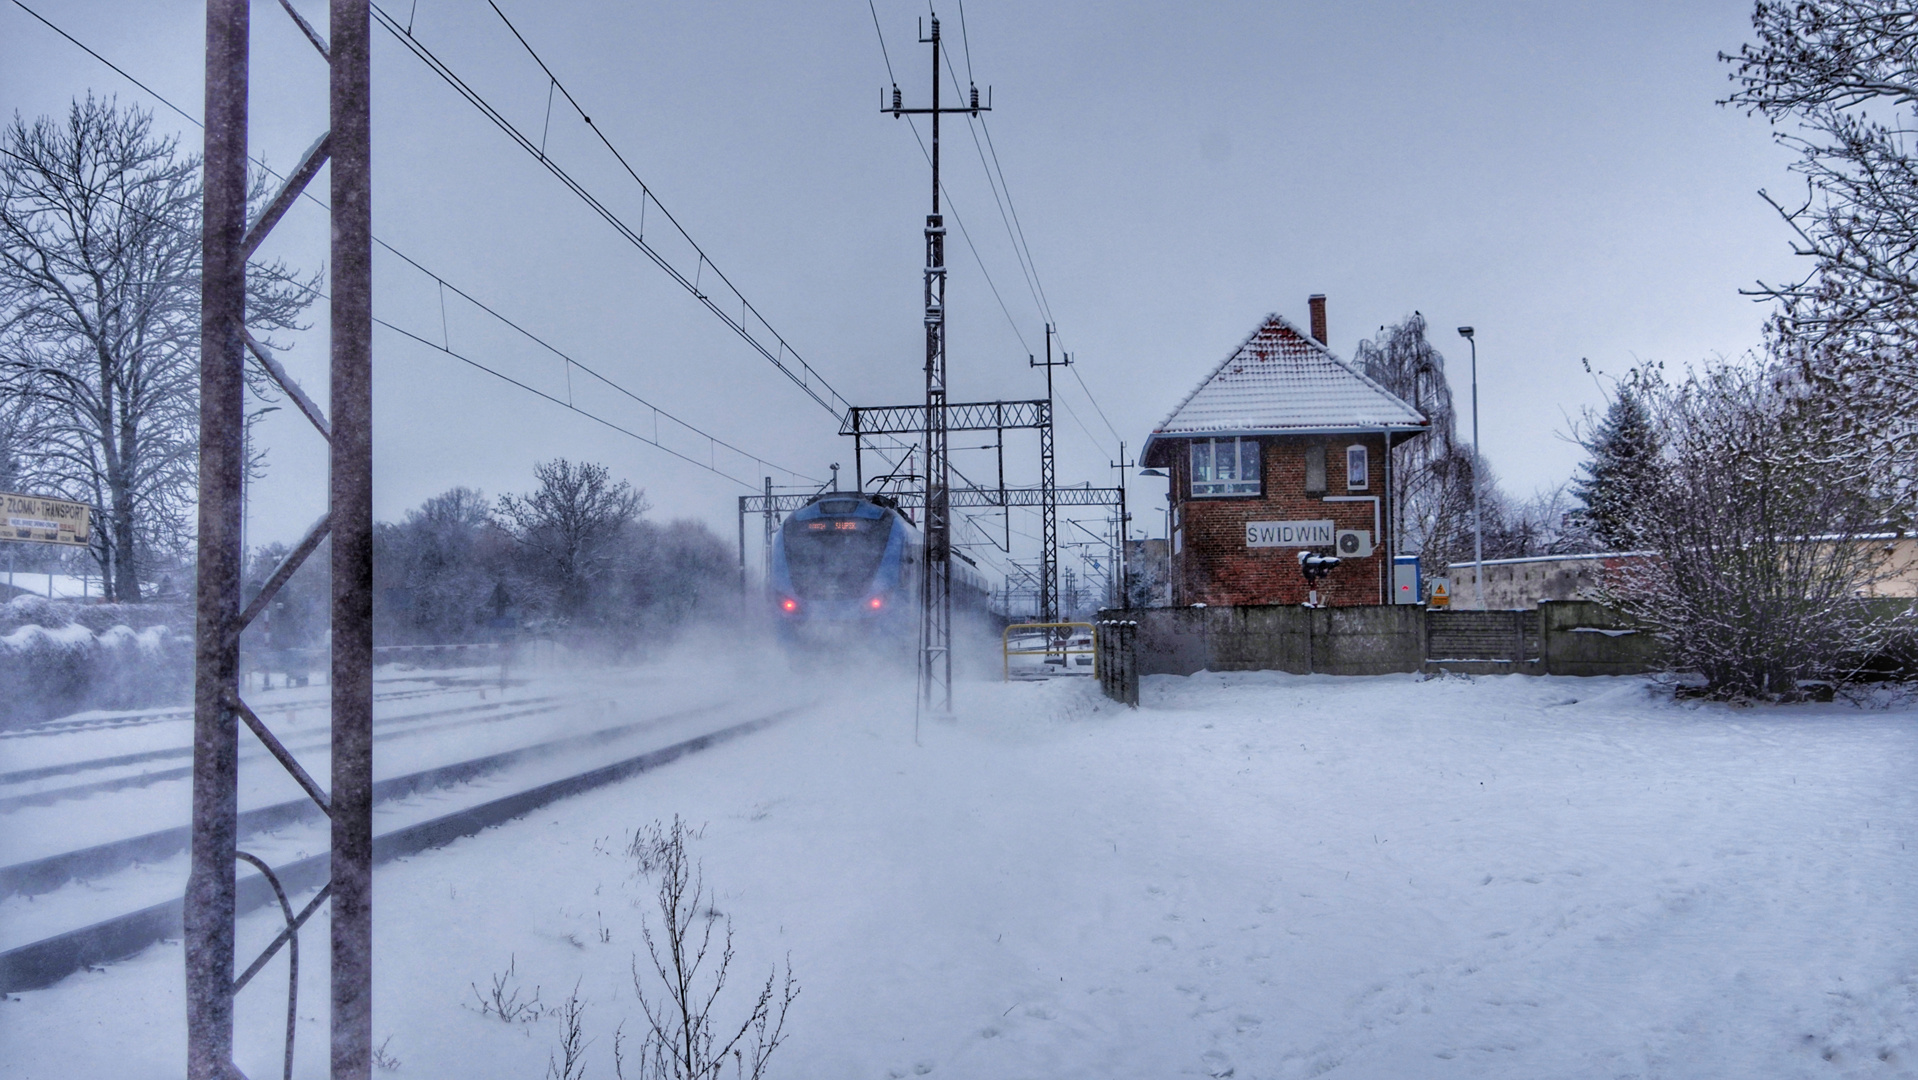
[836, 559]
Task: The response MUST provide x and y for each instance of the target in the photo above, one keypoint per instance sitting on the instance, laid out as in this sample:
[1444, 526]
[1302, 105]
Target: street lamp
[1478, 531]
[1168, 528]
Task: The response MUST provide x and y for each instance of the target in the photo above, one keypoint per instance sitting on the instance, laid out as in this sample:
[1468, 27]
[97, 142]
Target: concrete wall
[1373, 640]
[1572, 637]
[1523, 583]
[1584, 637]
[1900, 569]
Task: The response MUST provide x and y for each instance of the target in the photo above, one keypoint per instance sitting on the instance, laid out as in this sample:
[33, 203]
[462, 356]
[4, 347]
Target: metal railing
[1058, 643]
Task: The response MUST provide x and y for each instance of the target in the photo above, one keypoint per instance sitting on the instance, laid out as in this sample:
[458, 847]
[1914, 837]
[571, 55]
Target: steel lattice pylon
[212, 892]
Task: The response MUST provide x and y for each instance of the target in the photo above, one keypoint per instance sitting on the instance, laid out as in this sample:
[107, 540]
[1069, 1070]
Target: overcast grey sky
[1557, 175]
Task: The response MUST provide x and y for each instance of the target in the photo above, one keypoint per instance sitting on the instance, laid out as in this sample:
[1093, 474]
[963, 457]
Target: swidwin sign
[1272, 534]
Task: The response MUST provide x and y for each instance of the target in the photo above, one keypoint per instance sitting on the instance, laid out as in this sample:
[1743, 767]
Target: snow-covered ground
[1252, 875]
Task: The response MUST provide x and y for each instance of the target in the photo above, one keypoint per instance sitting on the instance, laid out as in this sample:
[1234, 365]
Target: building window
[1225, 467]
[1315, 469]
[1355, 468]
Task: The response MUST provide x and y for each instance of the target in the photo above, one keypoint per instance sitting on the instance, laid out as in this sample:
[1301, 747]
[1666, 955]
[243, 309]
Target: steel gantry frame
[957, 498]
[221, 615]
[998, 417]
[935, 622]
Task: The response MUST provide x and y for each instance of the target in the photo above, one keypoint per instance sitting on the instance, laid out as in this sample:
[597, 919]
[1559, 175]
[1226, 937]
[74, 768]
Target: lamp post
[1168, 529]
[1478, 531]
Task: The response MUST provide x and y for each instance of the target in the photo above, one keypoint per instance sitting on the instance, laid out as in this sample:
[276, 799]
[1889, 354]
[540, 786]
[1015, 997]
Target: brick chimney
[1316, 302]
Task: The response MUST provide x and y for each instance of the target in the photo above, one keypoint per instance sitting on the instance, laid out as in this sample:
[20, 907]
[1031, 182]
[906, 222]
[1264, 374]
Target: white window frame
[1243, 451]
[1360, 478]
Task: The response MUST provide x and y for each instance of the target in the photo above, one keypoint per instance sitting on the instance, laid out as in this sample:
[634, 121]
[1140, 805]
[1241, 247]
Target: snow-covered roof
[1283, 382]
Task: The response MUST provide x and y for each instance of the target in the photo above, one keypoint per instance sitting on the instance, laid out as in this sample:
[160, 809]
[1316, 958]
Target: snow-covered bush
[1758, 531]
[53, 661]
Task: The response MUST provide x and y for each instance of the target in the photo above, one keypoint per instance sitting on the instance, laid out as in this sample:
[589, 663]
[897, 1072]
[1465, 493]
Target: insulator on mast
[897, 103]
[975, 98]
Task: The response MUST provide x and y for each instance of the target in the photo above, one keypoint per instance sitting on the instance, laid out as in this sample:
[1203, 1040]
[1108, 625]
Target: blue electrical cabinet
[1407, 586]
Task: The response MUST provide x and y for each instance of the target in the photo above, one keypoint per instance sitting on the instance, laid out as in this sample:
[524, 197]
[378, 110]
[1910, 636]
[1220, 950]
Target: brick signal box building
[1282, 449]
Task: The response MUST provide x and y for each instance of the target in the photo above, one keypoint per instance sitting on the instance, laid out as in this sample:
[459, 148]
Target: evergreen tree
[1624, 448]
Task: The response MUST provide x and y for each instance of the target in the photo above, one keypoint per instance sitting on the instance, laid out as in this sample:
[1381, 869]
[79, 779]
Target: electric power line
[806, 378]
[890, 77]
[444, 283]
[711, 466]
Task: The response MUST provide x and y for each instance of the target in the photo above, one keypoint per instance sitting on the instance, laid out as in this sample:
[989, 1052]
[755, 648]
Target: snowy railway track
[488, 712]
[41, 963]
[141, 718]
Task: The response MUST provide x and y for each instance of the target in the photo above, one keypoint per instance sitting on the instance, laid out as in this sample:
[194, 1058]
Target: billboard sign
[43, 521]
[1280, 534]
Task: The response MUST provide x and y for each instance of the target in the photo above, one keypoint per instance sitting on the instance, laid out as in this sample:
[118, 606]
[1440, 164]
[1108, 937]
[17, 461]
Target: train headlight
[789, 605]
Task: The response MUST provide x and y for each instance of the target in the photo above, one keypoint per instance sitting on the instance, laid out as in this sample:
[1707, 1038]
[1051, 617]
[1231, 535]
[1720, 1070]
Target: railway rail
[489, 712]
[43, 962]
[144, 717]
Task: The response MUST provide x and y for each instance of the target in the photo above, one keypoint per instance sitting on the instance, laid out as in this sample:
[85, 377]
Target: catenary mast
[935, 622]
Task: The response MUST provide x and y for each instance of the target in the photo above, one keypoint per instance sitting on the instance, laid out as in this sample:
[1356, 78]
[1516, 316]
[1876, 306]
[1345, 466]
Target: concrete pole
[350, 500]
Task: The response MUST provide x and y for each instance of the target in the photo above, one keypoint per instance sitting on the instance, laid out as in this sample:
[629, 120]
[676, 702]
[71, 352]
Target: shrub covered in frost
[52, 662]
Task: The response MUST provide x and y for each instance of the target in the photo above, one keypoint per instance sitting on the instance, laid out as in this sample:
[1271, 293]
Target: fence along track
[45, 962]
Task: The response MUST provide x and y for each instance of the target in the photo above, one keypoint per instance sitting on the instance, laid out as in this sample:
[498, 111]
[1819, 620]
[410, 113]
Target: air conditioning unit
[1353, 543]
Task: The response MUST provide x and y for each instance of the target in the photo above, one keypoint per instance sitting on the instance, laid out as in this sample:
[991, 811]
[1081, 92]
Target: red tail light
[789, 604]
[875, 603]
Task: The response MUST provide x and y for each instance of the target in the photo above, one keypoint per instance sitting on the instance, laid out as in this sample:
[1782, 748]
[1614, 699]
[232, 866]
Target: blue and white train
[847, 567]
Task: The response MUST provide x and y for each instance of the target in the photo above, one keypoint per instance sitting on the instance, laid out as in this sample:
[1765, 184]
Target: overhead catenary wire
[1009, 216]
[809, 380]
[713, 440]
[572, 362]
[444, 346]
[966, 234]
[709, 466]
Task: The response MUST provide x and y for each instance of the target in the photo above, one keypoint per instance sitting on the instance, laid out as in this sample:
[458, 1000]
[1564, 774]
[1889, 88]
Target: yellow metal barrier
[1056, 644]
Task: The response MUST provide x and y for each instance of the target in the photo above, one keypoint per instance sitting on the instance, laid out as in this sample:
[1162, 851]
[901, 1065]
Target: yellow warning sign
[39, 520]
[1440, 597]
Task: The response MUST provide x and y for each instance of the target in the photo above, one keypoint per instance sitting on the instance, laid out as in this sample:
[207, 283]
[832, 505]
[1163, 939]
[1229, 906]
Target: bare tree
[1432, 475]
[1534, 527]
[19, 419]
[568, 526]
[99, 321]
[1759, 559]
[439, 569]
[1843, 75]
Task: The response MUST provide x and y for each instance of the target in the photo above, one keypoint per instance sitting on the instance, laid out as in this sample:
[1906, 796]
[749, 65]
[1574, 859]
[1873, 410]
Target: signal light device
[789, 604]
[875, 603]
